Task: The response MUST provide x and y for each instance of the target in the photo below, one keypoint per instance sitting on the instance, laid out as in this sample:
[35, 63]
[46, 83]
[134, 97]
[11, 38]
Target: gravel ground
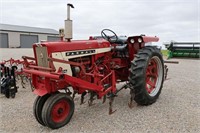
[16, 53]
[176, 110]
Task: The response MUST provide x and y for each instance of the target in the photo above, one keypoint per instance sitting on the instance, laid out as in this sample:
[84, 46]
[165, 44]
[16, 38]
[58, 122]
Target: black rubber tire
[7, 93]
[49, 106]
[13, 95]
[138, 75]
[37, 107]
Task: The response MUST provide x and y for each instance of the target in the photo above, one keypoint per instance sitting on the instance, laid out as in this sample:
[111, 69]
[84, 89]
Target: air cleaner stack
[68, 24]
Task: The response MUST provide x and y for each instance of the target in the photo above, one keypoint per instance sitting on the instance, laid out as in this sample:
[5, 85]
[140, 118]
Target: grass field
[164, 52]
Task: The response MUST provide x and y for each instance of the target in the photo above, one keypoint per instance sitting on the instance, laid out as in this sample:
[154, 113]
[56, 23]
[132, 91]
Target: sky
[177, 20]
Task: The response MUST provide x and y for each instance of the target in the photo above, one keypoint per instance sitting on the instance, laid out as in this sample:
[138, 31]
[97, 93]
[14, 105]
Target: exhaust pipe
[68, 24]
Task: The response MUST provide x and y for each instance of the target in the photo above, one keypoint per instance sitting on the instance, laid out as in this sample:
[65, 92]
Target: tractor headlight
[132, 41]
[139, 40]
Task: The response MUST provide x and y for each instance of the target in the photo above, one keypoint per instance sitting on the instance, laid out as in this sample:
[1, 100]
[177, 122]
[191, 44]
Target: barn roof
[18, 28]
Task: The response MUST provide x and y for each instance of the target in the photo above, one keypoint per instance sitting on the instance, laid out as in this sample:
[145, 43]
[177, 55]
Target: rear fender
[142, 39]
[138, 42]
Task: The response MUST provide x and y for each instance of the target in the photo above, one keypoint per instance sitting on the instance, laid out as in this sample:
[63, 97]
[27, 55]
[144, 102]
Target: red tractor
[92, 67]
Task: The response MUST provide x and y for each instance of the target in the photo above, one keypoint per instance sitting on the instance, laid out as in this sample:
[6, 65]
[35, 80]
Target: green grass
[164, 52]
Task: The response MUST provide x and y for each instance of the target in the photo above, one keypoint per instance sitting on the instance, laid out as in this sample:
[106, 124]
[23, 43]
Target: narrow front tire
[58, 110]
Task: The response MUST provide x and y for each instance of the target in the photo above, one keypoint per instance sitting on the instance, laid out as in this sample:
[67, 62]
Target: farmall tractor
[92, 67]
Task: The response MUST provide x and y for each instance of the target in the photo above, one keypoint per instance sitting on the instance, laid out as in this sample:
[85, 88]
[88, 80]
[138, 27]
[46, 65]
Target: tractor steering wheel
[111, 38]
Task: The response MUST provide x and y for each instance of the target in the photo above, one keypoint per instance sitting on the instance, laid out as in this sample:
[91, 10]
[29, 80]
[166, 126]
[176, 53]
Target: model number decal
[79, 52]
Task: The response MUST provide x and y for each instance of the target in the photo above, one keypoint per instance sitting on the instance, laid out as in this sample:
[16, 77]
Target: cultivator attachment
[8, 81]
[183, 49]
[11, 72]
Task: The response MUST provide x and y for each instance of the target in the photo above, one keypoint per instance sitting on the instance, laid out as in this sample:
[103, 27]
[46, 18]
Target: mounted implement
[92, 67]
[8, 70]
[183, 49]
[8, 81]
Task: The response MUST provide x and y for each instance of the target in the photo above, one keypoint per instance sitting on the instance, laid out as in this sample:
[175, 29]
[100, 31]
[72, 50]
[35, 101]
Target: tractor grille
[41, 54]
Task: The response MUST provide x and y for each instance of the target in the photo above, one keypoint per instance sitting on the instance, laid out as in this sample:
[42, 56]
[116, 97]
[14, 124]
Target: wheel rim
[60, 111]
[154, 76]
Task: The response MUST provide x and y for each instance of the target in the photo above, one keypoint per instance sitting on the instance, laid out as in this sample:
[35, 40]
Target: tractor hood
[73, 45]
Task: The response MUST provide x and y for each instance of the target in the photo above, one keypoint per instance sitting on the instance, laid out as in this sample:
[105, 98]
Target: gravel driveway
[176, 110]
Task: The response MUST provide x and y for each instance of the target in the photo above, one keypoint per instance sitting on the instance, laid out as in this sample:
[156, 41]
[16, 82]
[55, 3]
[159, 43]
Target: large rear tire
[58, 110]
[147, 75]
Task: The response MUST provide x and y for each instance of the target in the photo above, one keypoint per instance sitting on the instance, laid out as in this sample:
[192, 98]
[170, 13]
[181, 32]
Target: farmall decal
[79, 52]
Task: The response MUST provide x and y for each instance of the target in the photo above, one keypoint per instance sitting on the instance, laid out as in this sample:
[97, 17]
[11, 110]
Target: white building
[12, 36]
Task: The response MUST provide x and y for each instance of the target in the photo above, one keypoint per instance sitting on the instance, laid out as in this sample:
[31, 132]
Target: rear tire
[58, 110]
[147, 75]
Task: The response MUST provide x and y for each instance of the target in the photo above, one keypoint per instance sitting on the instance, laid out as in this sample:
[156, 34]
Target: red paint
[151, 76]
[74, 45]
[60, 111]
[95, 71]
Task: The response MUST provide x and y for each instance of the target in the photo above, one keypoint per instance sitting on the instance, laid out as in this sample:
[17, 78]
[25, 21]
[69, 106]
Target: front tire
[37, 107]
[58, 110]
[147, 75]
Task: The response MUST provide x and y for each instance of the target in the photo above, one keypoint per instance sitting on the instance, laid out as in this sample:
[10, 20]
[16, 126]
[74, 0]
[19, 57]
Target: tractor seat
[122, 43]
[120, 48]
[121, 40]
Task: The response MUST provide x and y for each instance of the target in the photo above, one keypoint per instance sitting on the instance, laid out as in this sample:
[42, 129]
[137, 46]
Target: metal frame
[48, 80]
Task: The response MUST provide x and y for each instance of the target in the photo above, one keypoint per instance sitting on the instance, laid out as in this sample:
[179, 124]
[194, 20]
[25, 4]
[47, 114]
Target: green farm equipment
[183, 49]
